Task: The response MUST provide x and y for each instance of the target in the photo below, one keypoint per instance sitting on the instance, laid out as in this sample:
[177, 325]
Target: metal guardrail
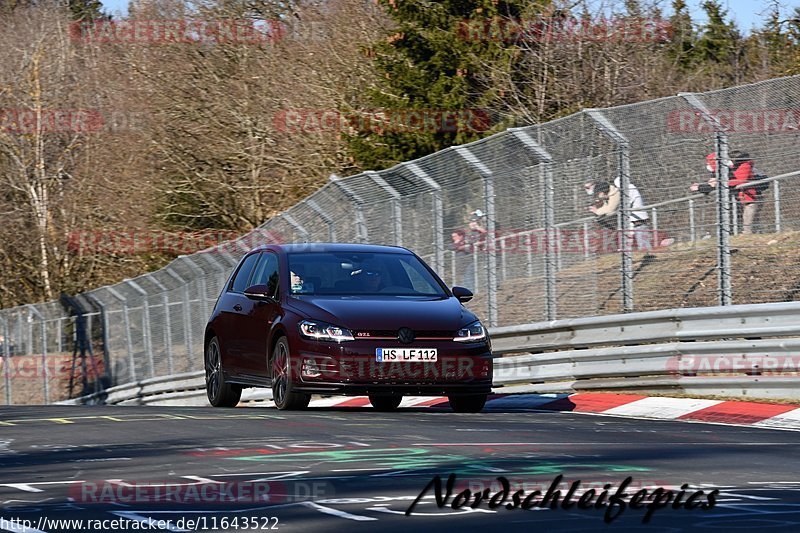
[739, 350]
[181, 389]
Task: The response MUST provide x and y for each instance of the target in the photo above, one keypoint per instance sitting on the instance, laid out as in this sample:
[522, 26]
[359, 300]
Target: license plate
[385, 355]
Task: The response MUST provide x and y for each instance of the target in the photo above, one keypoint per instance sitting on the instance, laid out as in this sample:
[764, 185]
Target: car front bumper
[351, 368]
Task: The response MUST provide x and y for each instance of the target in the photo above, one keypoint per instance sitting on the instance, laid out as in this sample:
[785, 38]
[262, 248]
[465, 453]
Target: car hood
[384, 313]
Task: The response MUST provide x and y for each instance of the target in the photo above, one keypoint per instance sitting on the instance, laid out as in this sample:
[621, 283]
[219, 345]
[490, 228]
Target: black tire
[467, 404]
[220, 393]
[283, 383]
[385, 403]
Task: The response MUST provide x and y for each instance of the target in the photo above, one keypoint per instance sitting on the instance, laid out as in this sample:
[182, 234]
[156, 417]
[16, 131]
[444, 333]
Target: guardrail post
[397, 210]
[325, 217]
[146, 333]
[623, 173]
[361, 222]
[438, 215]
[296, 225]
[546, 181]
[6, 360]
[167, 321]
[488, 188]
[45, 374]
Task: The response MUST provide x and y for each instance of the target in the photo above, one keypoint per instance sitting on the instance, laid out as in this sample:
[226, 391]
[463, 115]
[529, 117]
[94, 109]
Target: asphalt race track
[353, 469]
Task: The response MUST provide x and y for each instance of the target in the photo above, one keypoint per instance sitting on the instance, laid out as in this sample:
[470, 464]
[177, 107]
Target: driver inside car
[298, 285]
[368, 280]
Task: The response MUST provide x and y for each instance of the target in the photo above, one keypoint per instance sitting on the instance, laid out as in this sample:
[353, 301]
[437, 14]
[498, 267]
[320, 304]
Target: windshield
[361, 273]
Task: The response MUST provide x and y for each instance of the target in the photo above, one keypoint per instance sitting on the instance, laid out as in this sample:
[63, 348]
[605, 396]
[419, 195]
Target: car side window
[266, 273]
[239, 283]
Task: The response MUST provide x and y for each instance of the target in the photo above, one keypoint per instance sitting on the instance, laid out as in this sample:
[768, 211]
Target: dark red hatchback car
[347, 319]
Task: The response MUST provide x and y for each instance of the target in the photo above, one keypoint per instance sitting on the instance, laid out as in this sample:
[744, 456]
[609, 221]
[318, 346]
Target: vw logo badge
[405, 335]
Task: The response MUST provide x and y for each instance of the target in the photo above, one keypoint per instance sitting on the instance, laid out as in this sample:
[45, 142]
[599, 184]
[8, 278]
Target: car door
[262, 314]
[234, 307]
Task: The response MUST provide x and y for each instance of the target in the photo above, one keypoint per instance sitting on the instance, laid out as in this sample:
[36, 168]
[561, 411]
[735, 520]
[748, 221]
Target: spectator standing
[741, 170]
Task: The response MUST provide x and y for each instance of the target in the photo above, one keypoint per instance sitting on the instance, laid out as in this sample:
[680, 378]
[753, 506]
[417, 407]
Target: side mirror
[258, 292]
[463, 295]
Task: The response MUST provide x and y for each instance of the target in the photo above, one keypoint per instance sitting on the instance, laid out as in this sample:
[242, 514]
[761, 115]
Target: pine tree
[681, 48]
[87, 10]
[719, 39]
[779, 43]
[432, 63]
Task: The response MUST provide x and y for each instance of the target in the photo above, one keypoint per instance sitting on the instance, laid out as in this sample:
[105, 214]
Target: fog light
[310, 369]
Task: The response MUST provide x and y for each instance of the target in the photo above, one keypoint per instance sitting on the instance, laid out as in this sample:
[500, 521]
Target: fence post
[692, 228]
[201, 280]
[296, 225]
[397, 210]
[167, 321]
[104, 320]
[488, 188]
[776, 195]
[128, 339]
[438, 214]
[623, 173]
[546, 179]
[45, 374]
[146, 326]
[325, 217]
[26, 325]
[6, 360]
[187, 311]
[361, 222]
[723, 221]
[723, 200]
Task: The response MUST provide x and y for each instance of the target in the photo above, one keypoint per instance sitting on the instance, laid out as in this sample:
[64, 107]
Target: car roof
[337, 247]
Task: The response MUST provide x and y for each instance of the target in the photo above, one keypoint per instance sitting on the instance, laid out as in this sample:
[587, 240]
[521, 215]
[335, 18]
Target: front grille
[392, 334]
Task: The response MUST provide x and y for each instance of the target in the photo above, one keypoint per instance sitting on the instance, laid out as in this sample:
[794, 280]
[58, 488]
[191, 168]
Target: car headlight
[475, 332]
[322, 331]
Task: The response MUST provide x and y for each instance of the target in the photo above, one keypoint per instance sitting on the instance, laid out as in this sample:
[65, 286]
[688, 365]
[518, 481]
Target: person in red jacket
[741, 171]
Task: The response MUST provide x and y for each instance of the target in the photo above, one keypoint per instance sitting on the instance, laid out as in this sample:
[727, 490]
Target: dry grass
[765, 268]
